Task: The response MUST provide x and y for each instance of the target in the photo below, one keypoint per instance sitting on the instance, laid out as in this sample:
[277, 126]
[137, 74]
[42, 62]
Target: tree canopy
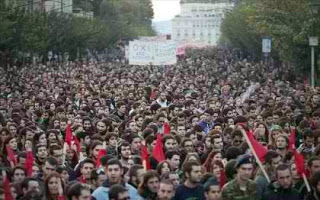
[288, 22]
[26, 34]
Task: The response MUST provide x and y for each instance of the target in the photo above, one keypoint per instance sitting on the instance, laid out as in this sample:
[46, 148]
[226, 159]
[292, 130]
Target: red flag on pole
[68, 137]
[11, 156]
[29, 163]
[77, 143]
[6, 188]
[101, 153]
[157, 152]
[299, 161]
[166, 128]
[145, 157]
[260, 150]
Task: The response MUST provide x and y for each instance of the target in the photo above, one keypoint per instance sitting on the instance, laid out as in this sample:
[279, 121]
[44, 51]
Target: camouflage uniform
[231, 191]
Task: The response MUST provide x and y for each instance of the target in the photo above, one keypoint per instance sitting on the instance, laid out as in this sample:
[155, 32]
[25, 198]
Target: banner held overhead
[152, 52]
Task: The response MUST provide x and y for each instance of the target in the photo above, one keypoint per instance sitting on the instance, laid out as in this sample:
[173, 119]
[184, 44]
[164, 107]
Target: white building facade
[64, 6]
[199, 22]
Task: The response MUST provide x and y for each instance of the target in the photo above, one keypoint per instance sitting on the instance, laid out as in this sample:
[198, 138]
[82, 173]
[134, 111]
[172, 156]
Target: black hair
[115, 190]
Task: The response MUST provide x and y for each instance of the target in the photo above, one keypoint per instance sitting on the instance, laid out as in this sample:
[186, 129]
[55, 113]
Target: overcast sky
[165, 9]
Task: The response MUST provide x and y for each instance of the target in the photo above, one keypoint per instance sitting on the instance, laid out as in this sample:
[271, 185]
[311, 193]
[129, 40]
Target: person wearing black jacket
[282, 188]
[315, 192]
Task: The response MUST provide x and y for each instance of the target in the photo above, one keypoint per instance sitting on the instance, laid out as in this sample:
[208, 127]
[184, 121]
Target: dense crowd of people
[113, 131]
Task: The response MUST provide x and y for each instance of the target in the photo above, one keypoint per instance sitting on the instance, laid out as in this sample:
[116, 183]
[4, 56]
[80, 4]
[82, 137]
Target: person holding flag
[282, 188]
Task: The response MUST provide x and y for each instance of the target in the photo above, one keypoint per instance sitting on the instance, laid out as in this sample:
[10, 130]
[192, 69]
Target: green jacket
[232, 191]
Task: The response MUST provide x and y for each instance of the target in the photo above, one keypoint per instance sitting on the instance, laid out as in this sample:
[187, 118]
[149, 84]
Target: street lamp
[313, 41]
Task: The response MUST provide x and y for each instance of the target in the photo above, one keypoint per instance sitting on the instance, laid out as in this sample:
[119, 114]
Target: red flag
[152, 95]
[11, 156]
[260, 150]
[145, 157]
[29, 163]
[166, 128]
[77, 143]
[6, 188]
[101, 153]
[299, 161]
[68, 137]
[222, 179]
[292, 139]
[157, 152]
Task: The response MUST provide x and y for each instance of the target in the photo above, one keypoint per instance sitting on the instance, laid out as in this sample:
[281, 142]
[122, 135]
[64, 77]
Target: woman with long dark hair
[163, 167]
[40, 138]
[150, 185]
[54, 187]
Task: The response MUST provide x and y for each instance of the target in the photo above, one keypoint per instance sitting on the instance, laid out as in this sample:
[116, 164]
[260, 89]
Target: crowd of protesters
[158, 132]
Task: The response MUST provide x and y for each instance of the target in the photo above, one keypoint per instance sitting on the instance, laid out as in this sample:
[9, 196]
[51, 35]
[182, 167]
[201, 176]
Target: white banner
[266, 45]
[152, 52]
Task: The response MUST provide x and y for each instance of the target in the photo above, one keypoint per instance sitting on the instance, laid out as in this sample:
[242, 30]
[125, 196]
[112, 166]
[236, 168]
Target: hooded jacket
[102, 192]
[275, 192]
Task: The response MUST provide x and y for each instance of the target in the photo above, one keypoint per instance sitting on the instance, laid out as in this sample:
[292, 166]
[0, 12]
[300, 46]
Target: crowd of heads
[122, 109]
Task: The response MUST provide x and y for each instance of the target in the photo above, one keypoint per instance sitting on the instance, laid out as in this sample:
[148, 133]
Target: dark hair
[133, 171]
[54, 148]
[233, 153]
[271, 155]
[282, 167]
[166, 176]
[170, 154]
[167, 137]
[37, 136]
[189, 133]
[310, 161]
[115, 190]
[25, 182]
[61, 169]
[143, 189]
[185, 140]
[109, 136]
[51, 160]
[87, 160]
[123, 144]
[54, 174]
[210, 182]
[114, 161]
[315, 179]
[32, 195]
[235, 133]
[160, 165]
[75, 190]
[187, 167]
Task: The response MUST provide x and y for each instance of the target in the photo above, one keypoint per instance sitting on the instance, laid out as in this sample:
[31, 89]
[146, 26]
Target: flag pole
[255, 154]
[306, 182]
